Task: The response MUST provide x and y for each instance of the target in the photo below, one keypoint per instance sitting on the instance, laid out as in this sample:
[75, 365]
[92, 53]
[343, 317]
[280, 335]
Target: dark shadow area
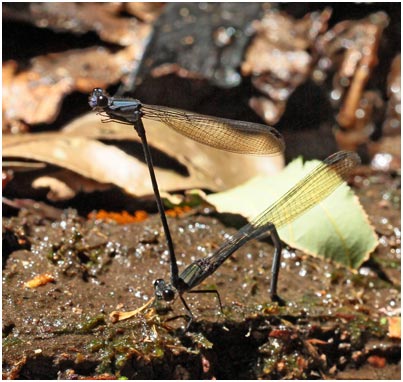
[23, 41]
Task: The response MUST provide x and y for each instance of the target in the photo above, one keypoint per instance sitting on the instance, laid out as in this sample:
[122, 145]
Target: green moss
[11, 340]
[362, 325]
[95, 345]
[91, 323]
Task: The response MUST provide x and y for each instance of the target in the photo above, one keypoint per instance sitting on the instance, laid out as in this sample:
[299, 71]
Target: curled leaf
[180, 163]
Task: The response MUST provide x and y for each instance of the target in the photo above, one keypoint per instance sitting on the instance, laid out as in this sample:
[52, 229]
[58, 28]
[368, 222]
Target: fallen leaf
[218, 169]
[78, 148]
[116, 316]
[392, 123]
[119, 217]
[39, 280]
[24, 166]
[29, 97]
[148, 12]
[59, 190]
[39, 208]
[377, 361]
[178, 211]
[35, 95]
[336, 229]
[350, 49]
[65, 184]
[92, 159]
[190, 198]
[79, 18]
[394, 327]
[278, 59]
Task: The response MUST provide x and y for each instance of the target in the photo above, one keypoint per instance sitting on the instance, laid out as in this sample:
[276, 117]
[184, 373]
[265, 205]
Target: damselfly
[309, 191]
[225, 134]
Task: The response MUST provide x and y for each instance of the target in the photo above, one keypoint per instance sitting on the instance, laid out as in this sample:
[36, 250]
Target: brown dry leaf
[211, 168]
[394, 327]
[35, 95]
[278, 58]
[29, 97]
[359, 61]
[116, 316]
[148, 12]
[392, 123]
[77, 149]
[90, 158]
[23, 166]
[58, 190]
[80, 18]
[39, 280]
[351, 49]
[87, 68]
[65, 184]
[377, 361]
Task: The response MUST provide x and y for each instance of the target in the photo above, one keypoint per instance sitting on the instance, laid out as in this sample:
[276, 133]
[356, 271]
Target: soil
[335, 323]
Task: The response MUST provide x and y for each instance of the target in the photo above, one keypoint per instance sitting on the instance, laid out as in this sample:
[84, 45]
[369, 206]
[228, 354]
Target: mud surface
[334, 325]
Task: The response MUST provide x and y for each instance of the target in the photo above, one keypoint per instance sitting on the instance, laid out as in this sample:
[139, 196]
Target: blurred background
[326, 75]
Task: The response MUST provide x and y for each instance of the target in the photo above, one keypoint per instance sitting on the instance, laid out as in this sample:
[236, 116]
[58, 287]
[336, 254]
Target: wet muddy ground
[336, 323]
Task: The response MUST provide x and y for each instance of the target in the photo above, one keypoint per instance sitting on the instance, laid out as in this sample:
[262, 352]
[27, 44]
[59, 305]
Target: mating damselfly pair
[238, 137]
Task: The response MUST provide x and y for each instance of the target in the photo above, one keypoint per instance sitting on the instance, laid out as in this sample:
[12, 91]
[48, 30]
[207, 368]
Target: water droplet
[392, 303]
[344, 81]
[381, 161]
[302, 272]
[364, 271]
[138, 294]
[359, 113]
[188, 40]
[223, 36]
[395, 88]
[184, 12]
[227, 77]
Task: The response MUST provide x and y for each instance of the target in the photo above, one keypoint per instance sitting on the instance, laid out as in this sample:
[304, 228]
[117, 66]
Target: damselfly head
[98, 98]
[163, 291]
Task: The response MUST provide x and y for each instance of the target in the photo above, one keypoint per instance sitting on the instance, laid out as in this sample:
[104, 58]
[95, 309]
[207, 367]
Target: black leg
[276, 265]
[184, 316]
[139, 127]
[190, 314]
[209, 291]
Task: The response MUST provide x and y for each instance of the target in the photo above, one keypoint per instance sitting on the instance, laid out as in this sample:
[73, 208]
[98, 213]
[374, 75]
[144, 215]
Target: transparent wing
[308, 192]
[225, 134]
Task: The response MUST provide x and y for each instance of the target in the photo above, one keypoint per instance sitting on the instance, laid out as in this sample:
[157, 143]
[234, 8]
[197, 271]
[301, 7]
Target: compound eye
[168, 294]
[102, 101]
[163, 291]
